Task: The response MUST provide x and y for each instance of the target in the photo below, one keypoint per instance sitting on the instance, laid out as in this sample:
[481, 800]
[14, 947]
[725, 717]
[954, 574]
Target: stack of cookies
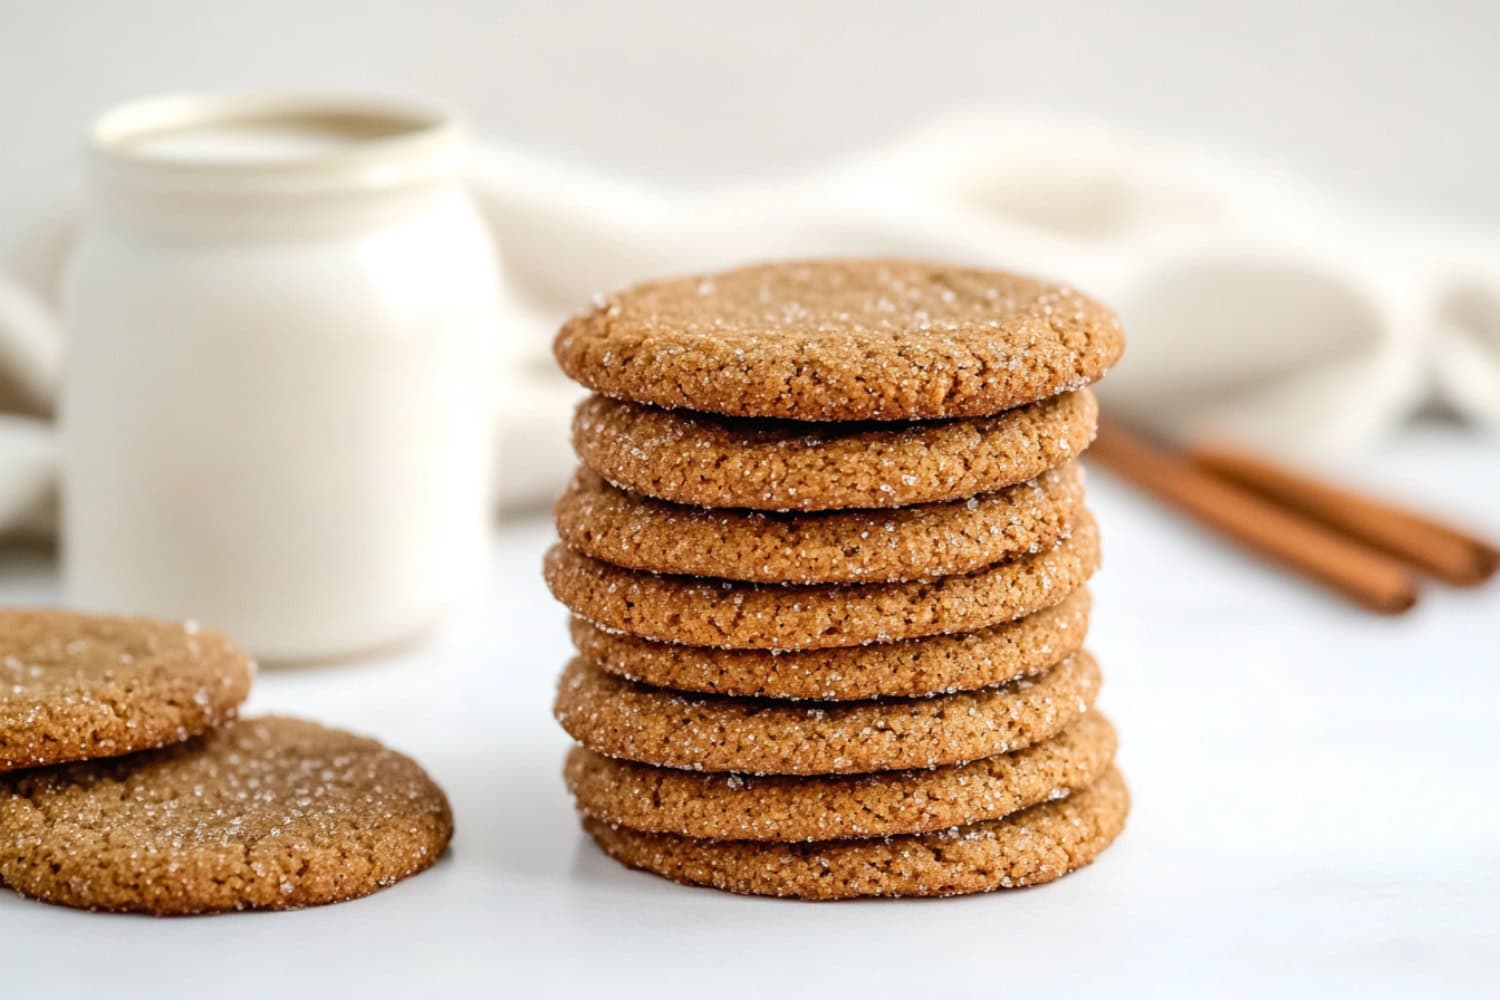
[128, 783]
[826, 557]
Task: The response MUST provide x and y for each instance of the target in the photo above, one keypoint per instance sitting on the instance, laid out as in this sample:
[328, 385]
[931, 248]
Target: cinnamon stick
[1361, 574]
[1444, 551]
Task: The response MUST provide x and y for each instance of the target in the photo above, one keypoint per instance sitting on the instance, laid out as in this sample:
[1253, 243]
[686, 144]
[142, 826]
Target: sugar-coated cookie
[738, 807]
[620, 718]
[268, 813]
[882, 546]
[939, 664]
[76, 686]
[728, 615]
[708, 461]
[1030, 847]
[842, 340]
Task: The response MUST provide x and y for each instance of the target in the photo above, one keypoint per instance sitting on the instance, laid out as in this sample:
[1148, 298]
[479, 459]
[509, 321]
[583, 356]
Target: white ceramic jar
[277, 413]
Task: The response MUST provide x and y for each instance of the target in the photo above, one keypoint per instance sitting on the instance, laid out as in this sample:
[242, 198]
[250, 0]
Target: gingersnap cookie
[708, 461]
[911, 543]
[1036, 845]
[940, 664]
[728, 615]
[737, 807]
[76, 686]
[620, 718]
[267, 813]
[842, 340]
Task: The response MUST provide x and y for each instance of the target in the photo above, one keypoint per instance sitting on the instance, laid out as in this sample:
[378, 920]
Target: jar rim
[381, 142]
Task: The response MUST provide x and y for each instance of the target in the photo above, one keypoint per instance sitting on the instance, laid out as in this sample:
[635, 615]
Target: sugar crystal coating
[707, 461]
[619, 718]
[841, 341]
[826, 565]
[854, 546]
[77, 687]
[748, 807]
[1036, 845]
[268, 813]
[940, 664]
[728, 615]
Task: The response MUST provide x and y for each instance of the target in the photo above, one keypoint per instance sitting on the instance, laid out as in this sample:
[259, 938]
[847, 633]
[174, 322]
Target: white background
[1390, 101]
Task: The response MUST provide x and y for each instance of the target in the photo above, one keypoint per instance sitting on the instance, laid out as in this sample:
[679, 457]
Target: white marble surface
[1315, 814]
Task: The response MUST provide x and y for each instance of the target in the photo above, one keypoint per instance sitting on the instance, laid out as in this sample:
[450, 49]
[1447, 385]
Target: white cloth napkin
[1253, 305]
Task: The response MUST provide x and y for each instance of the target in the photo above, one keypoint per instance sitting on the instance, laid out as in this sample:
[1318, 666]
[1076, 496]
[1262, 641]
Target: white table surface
[1315, 813]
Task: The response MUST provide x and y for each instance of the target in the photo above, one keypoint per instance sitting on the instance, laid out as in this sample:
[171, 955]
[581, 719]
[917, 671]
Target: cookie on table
[738, 807]
[268, 813]
[1036, 845]
[911, 543]
[940, 664]
[727, 615]
[708, 461]
[842, 341]
[76, 687]
[620, 718]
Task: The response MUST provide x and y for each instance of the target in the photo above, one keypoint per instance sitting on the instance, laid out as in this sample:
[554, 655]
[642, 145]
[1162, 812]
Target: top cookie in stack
[849, 482]
[844, 341]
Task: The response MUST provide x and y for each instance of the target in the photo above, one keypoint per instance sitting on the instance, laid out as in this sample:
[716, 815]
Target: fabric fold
[1257, 306]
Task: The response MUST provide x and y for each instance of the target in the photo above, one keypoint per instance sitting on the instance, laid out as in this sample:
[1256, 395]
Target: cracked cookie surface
[940, 664]
[620, 718]
[790, 809]
[727, 615]
[707, 461]
[842, 340]
[1036, 845]
[75, 686]
[267, 813]
[852, 546]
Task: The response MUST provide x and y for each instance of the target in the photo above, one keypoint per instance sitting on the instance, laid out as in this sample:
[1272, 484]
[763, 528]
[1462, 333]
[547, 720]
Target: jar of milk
[277, 413]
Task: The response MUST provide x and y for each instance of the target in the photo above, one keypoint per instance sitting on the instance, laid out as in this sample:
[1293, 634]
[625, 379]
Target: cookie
[911, 543]
[262, 814]
[1030, 847]
[620, 718]
[842, 340]
[727, 615]
[77, 687]
[734, 807]
[939, 664]
[708, 461]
